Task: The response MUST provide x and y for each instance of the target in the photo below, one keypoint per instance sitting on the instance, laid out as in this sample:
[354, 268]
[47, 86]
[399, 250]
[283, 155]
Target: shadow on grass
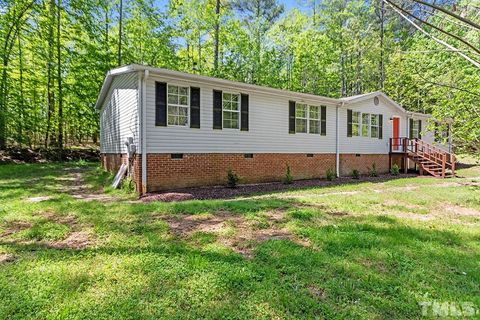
[353, 265]
[50, 178]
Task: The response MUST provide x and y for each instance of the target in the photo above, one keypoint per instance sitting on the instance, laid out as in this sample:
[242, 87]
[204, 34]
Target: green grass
[362, 250]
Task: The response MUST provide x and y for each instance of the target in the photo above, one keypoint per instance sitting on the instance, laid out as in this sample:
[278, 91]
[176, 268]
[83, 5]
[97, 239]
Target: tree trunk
[7, 47]
[217, 36]
[50, 94]
[21, 100]
[381, 68]
[59, 79]
[120, 22]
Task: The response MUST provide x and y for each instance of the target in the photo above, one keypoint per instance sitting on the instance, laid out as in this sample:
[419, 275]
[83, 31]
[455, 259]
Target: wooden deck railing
[424, 150]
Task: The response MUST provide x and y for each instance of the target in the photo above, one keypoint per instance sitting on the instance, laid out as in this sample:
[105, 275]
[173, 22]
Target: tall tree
[259, 16]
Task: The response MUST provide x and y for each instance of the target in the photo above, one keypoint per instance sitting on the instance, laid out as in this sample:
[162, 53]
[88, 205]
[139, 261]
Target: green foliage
[128, 185]
[232, 179]
[45, 230]
[355, 174]
[395, 170]
[288, 179]
[335, 52]
[372, 171]
[331, 175]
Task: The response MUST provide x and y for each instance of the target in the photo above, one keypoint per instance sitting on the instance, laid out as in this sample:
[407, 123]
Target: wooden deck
[429, 159]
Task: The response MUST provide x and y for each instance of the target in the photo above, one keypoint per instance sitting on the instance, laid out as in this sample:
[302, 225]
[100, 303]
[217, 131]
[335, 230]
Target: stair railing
[432, 153]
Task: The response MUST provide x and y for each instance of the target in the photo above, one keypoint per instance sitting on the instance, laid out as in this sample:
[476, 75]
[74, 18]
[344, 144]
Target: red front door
[396, 133]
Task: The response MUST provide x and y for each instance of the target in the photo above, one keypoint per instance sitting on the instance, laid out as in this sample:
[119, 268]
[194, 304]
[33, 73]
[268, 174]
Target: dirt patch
[233, 231]
[66, 220]
[38, 199]
[14, 227]
[6, 257]
[74, 185]
[460, 211]
[169, 197]
[377, 265]
[317, 292]
[75, 240]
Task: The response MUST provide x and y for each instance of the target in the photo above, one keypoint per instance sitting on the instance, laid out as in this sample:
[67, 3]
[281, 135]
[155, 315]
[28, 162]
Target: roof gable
[371, 95]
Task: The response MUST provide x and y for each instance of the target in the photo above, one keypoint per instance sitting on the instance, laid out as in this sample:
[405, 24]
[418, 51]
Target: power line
[475, 63]
[473, 24]
[435, 27]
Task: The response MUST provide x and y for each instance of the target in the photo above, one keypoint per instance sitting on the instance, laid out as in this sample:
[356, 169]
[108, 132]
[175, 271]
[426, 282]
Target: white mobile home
[188, 130]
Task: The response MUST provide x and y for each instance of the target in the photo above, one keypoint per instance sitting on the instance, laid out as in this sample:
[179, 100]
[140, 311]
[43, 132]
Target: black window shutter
[419, 129]
[160, 104]
[380, 126]
[349, 123]
[195, 108]
[323, 121]
[291, 117]
[411, 128]
[244, 112]
[217, 109]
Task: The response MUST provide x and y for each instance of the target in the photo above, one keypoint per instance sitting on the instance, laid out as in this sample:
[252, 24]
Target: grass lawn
[365, 250]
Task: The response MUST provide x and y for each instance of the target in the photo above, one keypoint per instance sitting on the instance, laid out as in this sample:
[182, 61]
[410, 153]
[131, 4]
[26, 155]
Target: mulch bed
[222, 192]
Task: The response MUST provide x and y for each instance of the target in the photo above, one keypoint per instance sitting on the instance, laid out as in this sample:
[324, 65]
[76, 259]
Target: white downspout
[337, 142]
[144, 131]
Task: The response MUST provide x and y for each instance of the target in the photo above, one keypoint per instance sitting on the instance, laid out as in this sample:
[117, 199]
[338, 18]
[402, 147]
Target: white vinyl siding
[365, 144]
[268, 123]
[119, 114]
[268, 126]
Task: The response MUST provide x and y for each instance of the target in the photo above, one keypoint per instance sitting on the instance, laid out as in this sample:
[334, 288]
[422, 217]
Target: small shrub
[355, 174]
[395, 170]
[331, 174]
[288, 179]
[232, 179]
[373, 170]
[128, 185]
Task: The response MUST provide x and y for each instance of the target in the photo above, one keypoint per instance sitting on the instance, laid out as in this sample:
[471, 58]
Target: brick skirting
[362, 162]
[202, 169]
[112, 161]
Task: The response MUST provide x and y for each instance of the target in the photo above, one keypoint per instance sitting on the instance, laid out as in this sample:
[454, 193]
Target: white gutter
[337, 140]
[143, 133]
[195, 78]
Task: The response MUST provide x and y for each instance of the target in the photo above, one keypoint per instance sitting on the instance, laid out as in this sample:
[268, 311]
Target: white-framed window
[231, 110]
[301, 118]
[178, 105]
[356, 123]
[416, 129]
[365, 124]
[374, 125]
[314, 119]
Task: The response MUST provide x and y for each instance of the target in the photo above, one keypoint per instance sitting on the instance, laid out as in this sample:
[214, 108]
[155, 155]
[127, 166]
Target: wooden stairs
[430, 159]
